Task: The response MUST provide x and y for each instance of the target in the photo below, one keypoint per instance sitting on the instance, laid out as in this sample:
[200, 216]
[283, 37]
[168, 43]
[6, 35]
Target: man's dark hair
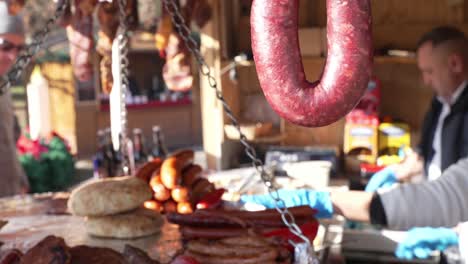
[441, 35]
[455, 39]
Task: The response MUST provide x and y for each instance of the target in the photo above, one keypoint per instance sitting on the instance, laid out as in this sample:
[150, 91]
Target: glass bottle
[159, 149]
[139, 150]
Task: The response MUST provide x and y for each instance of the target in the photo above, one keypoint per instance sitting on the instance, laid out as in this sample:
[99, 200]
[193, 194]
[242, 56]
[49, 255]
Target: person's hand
[320, 201]
[411, 166]
[383, 178]
[421, 241]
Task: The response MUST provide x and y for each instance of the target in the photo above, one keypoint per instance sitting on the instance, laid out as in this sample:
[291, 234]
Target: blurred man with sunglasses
[12, 177]
[9, 47]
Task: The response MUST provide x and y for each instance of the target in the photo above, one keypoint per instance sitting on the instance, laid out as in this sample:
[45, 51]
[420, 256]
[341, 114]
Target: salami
[280, 70]
[235, 218]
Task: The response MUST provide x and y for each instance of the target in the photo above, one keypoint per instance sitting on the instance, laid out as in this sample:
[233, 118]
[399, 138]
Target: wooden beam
[228, 26]
[212, 112]
[465, 11]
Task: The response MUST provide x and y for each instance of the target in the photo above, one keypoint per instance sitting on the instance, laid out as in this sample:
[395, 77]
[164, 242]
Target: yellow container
[392, 137]
[361, 141]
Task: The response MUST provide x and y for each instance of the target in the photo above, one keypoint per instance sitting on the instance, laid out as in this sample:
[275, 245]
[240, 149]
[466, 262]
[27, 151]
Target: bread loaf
[138, 223]
[109, 196]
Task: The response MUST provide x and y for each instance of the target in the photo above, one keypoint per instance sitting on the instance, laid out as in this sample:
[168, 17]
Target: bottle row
[109, 162]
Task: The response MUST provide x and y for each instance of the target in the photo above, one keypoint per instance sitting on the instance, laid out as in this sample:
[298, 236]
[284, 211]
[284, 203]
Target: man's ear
[456, 63]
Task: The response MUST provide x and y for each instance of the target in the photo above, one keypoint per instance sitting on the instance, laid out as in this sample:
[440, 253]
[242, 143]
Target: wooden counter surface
[30, 220]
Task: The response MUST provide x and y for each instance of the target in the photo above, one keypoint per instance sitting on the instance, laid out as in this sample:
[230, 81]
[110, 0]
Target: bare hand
[412, 165]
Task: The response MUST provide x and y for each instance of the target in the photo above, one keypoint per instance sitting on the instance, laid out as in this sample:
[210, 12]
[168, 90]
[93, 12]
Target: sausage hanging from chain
[280, 71]
[15, 6]
[80, 36]
[177, 71]
[66, 18]
[108, 17]
[163, 32]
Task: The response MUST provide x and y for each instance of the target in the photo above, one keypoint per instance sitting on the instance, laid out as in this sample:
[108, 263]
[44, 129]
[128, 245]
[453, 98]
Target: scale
[304, 252]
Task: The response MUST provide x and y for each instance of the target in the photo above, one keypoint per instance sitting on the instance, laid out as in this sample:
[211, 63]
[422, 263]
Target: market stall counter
[35, 221]
[109, 217]
[31, 218]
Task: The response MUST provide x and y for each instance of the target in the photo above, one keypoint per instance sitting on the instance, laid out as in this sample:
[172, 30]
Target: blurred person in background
[442, 57]
[12, 177]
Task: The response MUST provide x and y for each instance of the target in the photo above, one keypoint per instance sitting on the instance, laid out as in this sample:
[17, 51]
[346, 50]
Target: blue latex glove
[421, 241]
[383, 178]
[320, 201]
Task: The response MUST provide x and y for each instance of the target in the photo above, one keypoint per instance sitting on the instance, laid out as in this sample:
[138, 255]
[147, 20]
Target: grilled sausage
[171, 169]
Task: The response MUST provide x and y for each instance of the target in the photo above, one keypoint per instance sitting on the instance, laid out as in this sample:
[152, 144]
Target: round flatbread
[109, 196]
[138, 223]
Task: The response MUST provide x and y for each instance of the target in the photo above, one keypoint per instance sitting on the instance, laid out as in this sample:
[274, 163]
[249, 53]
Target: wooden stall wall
[180, 124]
[399, 23]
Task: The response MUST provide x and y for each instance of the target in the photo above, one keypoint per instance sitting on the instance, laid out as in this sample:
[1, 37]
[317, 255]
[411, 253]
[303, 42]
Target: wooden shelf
[271, 139]
[377, 59]
[152, 104]
[394, 59]
[278, 138]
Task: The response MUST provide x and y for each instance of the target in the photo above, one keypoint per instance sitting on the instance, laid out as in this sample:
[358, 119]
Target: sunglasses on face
[8, 46]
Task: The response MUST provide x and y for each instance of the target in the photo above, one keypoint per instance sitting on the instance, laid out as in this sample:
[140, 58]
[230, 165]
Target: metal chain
[184, 32]
[123, 40]
[30, 51]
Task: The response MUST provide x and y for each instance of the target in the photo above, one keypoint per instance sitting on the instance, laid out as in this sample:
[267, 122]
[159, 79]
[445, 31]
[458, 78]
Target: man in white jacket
[442, 58]
[12, 177]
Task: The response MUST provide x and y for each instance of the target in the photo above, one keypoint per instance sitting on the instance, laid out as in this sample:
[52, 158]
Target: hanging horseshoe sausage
[280, 70]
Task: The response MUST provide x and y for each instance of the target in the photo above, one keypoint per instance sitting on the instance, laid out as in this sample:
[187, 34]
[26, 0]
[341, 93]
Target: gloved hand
[383, 178]
[421, 241]
[320, 201]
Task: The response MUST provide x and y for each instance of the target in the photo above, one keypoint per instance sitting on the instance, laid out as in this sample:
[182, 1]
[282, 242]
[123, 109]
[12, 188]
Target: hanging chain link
[123, 41]
[185, 34]
[30, 50]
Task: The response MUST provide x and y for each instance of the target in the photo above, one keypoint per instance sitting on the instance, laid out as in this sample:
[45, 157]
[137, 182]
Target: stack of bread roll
[113, 208]
[177, 183]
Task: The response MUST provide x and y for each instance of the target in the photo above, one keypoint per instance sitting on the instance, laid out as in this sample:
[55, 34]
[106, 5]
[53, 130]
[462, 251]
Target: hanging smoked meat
[108, 17]
[80, 37]
[104, 48]
[177, 71]
[198, 11]
[15, 6]
[65, 19]
[163, 32]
